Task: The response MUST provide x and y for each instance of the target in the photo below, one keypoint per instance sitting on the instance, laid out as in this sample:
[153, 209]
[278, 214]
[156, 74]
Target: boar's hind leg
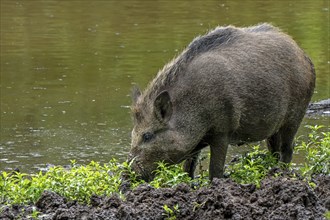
[274, 144]
[287, 137]
[280, 144]
[190, 164]
[219, 148]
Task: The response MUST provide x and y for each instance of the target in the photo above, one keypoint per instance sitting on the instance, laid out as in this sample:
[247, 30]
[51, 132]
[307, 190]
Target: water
[67, 67]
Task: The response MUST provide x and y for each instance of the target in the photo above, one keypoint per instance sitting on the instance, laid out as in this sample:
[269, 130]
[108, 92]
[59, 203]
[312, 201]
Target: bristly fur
[220, 36]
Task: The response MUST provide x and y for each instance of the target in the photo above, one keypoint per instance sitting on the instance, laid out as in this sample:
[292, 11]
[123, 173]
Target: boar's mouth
[138, 168]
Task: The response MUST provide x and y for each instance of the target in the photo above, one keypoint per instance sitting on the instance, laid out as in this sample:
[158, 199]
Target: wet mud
[280, 197]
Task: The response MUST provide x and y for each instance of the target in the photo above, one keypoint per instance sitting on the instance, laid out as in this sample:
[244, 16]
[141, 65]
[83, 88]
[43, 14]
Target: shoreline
[319, 108]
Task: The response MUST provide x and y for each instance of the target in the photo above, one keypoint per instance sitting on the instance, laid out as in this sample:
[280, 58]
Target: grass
[81, 182]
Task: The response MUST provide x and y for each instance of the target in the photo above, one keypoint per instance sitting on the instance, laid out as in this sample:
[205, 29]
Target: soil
[280, 197]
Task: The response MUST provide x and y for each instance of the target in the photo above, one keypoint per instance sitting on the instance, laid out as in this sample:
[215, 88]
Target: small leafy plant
[317, 152]
[169, 176]
[78, 183]
[170, 214]
[35, 213]
[129, 175]
[252, 167]
[81, 182]
[327, 215]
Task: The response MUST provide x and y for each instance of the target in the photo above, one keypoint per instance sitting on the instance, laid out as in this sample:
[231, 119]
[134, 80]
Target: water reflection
[67, 66]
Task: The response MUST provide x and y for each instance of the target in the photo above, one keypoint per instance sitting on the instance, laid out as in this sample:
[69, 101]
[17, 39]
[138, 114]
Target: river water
[67, 67]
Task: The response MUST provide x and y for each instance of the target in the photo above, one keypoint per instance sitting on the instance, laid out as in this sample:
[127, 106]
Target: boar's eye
[147, 136]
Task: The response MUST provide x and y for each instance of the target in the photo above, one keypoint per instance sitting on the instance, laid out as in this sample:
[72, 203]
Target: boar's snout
[142, 172]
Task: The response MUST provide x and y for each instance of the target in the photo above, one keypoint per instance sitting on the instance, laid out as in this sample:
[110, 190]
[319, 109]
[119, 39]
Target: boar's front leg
[219, 146]
[190, 164]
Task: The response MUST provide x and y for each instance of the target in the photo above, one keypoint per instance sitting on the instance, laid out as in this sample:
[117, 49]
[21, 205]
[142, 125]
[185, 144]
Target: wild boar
[230, 86]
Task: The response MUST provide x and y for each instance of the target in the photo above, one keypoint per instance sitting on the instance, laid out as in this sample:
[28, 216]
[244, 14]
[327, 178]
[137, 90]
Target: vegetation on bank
[81, 182]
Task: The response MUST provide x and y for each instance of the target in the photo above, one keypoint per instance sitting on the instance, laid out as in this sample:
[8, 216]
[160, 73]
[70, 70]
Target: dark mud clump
[277, 198]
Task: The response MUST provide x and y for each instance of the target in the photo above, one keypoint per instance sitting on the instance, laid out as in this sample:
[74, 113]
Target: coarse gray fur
[230, 86]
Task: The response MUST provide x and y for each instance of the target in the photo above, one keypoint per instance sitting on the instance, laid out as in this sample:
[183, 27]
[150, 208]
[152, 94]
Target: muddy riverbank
[281, 197]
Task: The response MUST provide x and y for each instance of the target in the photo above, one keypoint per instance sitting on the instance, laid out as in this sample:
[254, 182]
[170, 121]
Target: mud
[279, 197]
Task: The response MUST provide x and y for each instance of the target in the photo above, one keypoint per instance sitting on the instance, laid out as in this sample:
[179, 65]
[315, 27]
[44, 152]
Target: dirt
[280, 197]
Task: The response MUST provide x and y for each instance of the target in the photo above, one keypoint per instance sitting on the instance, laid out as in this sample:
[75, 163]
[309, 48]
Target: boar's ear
[163, 107]
[136, 93]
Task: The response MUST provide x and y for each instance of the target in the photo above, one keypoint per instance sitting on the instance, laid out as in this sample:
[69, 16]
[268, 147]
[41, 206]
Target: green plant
[81, 182]
[203, 173]
[35, 213]
[317, 152]
[255, 165]
[169, 175]
[327, 215]
[170, 214]
[252, 167]
[198, 205]
[130, 175]
[78, 183]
